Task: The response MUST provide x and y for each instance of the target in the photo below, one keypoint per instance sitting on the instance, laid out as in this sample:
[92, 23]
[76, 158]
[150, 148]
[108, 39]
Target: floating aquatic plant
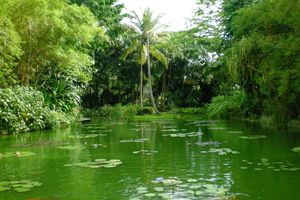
[217, 128]
[82, 136]
[210, 143]
[221, 151]
[266, 164]
[145, 152]
[253, 137]
[98, 145]
[183, 135]
[16, 154]
[296, 149]
[235, 132]
[139, 140]
[98, 163]
[71, 147]
[169, 130]
[19, 186]
[176, 188]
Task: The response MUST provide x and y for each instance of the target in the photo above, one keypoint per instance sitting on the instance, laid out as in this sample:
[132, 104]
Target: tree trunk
[150, 77]
[164, 91]
[141, 86]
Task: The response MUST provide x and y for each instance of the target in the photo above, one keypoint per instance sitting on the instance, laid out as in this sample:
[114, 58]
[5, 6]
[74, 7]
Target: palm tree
[145, 27]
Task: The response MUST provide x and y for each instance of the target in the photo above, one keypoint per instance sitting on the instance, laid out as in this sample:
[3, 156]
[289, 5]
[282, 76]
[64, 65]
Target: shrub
[23, 109]
[228, 106]
[118, 112]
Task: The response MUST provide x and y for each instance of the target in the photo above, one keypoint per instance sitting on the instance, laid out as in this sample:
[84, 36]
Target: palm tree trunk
[150, 77]
[141, 87]
[164, 91]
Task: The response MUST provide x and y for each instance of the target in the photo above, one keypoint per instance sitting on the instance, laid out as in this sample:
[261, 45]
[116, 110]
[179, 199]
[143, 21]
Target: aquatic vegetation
[221, 151]
[182, 135]
[235, 132]
[71, 147]
[176, 188]
[98, 163]
[217, 128]
[82, 136]
[139, 140]
[209, 143]
[19, 186]
[16, 154]
[98, 145]
[296, 149]
[169, 127]
[266, 164]
[145, 152]
[253, 137]
[106, 131]
[170, 130]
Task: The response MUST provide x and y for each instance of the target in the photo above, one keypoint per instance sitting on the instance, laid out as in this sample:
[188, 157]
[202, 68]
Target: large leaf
[159, 56]
[142, 55]
[133, 47]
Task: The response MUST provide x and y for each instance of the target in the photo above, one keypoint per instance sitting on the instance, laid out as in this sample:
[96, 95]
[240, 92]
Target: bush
[118, 112]
[23, 109]
[145, 111]
[228, 106]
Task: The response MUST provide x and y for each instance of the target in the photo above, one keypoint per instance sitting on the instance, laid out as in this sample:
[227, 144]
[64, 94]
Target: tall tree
[138, 46]
[146, 27]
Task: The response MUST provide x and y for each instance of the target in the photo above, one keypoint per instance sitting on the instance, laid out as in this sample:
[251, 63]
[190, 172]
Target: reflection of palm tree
[143, 143]
[199, 136]
[145, 27]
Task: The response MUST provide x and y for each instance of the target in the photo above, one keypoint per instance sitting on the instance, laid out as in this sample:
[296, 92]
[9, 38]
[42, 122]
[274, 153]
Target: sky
[175, 12]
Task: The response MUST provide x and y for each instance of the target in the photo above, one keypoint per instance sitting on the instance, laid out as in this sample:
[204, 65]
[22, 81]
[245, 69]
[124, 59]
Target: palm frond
[142, 55]
[159, 56]
[130, 50]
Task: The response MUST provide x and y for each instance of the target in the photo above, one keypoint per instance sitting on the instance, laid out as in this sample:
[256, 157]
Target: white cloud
[175, 12]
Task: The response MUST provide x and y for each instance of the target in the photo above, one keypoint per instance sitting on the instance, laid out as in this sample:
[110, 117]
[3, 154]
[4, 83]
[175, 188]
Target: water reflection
[177, 160]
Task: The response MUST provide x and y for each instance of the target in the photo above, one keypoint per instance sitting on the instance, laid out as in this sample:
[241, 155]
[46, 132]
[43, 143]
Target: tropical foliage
[238, 58]
[44, 45]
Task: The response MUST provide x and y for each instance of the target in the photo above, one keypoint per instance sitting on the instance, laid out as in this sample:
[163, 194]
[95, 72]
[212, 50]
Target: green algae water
[172, 158]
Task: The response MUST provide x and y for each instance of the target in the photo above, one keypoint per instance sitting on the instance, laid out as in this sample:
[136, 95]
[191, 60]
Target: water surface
[262, 168]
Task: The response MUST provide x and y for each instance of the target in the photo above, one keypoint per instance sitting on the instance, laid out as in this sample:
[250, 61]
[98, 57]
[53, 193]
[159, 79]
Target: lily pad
[210, 143]
[158, 189]
[2, 188]
[83, 136]
[71, 147]
[296, 149]
[221, 151]
[195, 187]
[253, 137]
[176, 188]
[217, 128]
[17, 154]
[244, 168]
[183, 135]
[98, 163]
[145, 152]
[235, 132]
[150, 195]
[19, 186]
[22, 189]
[140, 140]
[192, 180]
[258, 169]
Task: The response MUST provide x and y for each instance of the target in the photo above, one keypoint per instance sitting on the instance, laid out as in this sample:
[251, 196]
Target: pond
[168, 158]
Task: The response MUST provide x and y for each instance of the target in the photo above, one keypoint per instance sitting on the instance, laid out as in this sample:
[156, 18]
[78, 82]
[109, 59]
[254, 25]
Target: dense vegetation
[239, 59]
